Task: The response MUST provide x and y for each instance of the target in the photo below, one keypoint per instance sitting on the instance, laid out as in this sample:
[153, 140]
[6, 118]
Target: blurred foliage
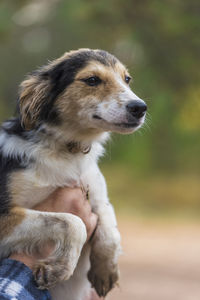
[159, 42]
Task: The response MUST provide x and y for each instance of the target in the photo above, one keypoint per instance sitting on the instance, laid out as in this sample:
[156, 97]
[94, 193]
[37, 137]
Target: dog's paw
[104, 272]
[103, 276]
[48, 273]
[69, 235]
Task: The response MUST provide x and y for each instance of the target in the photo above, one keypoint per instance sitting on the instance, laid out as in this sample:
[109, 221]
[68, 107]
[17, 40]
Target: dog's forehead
[87, 55]
[95, 68]
[87, 60]
[65, 69]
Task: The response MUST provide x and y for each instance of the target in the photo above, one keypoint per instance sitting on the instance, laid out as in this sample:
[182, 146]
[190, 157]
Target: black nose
[136, 108]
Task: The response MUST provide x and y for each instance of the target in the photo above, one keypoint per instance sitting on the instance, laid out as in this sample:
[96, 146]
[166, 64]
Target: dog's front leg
[106, 242]
[27, 231]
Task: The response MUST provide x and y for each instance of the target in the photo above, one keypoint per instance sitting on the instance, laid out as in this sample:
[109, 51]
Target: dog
[67, 110]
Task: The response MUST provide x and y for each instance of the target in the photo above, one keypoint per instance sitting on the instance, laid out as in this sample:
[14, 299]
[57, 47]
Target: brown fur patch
[121, 69]
[31, 99]
[78, 90]
[10, 221]
[78, 93]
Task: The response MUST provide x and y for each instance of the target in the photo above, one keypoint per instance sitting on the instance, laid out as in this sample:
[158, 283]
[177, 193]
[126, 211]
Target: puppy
[66, 111]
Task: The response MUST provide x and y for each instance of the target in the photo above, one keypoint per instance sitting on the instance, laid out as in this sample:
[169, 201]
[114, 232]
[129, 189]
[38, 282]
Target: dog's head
[87, 90]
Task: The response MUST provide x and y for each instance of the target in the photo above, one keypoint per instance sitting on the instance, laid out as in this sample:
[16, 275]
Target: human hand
[66, 200]
[74, 201]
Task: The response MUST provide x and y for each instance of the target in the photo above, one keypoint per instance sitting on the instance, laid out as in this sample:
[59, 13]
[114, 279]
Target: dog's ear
[32, 98]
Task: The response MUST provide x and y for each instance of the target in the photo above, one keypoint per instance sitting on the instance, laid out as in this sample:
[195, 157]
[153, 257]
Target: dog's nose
[136, 108]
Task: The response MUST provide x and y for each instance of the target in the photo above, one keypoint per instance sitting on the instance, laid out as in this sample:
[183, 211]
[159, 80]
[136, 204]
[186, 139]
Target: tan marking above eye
[122, 70]
[104, 73]
[92, 69]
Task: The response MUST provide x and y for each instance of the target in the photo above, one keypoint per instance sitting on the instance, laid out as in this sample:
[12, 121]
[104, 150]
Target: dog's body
[66, 109]
[34, 183]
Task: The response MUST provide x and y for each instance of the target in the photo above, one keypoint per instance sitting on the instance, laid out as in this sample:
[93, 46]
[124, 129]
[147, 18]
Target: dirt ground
[160, 262]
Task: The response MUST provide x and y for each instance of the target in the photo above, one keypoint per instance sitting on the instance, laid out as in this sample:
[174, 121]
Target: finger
[85, 191]
[92, 225]
[87, 208]
[75, 196]
[93, 221]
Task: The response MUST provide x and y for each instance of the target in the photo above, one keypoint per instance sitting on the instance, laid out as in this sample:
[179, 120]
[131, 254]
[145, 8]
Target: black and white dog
[66, 111]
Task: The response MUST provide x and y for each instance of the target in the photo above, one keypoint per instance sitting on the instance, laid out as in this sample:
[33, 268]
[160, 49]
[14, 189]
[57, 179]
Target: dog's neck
[77, 147]
[72, 143]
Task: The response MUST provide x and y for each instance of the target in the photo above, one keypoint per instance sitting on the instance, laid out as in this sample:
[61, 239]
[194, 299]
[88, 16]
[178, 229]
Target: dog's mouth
[127, 125]
[120, 125]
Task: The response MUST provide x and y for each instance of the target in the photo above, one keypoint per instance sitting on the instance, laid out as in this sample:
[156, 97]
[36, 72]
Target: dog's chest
[35, 184]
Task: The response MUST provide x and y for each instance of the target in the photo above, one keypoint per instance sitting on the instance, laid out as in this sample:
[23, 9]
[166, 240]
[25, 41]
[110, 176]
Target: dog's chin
[123, 128]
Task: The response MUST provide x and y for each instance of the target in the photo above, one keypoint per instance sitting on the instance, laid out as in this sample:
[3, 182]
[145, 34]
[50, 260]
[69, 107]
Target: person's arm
[16, 278]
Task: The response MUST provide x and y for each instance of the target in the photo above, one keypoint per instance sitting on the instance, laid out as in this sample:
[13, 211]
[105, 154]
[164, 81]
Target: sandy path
[160, 262]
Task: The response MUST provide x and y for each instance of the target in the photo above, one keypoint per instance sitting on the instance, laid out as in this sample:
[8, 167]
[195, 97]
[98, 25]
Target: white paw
[69, 234]
[76, 236]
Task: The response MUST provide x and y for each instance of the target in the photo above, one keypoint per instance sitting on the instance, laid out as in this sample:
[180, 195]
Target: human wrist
[27, 260]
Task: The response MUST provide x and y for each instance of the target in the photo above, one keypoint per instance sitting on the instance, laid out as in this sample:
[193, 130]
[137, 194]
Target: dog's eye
[92, 81]
[127, 79]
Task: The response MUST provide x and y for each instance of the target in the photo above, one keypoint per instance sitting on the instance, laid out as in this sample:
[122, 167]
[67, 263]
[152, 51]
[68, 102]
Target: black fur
[7, 166]
[13, 127]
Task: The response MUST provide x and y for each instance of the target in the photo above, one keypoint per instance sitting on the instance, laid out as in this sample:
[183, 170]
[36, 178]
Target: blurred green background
[156, 171]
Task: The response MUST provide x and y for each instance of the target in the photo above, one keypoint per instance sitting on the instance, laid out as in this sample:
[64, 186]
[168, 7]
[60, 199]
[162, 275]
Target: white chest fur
[51, 171]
